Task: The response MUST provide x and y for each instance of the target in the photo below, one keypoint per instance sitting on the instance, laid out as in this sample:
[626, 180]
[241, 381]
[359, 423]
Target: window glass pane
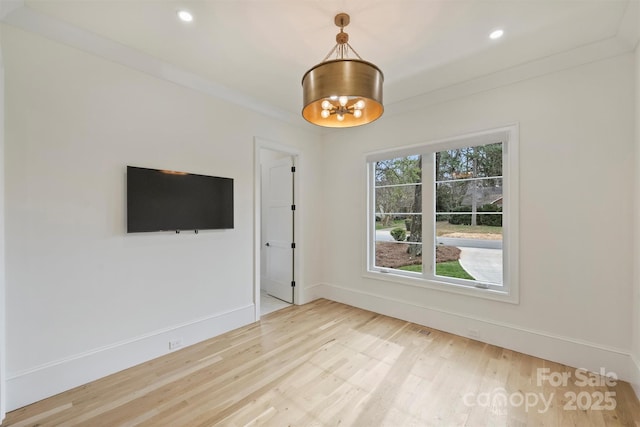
[401, 170]
[398, 199]
[399, 228]
[468, 213]
[398, 213]
[469, 162]
[461, 196]
[401, 256]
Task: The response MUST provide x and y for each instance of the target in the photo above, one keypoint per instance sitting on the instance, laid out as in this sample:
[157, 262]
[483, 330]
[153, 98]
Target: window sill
[419, 282]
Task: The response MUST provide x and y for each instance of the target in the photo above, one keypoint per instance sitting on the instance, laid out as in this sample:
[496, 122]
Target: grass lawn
[447, 269]
[414, 267]
[452, 269]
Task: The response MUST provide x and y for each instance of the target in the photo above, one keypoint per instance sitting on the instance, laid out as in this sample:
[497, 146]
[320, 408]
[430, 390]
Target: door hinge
[293, 207]
[293, 283]
[293, 169]
[293, 245]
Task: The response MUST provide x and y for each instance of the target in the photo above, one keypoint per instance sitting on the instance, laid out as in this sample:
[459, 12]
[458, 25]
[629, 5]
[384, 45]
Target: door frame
[260, 144]
[3, 303]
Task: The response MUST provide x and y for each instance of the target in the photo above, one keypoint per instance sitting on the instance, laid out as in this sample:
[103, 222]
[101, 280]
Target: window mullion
[428, 209]
[371, 226]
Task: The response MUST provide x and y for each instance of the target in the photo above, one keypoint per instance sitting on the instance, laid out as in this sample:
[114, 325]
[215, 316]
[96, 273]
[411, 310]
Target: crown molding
[625, 41]
[8, 6]
[629, 29]
[572, 58]
[16, 14]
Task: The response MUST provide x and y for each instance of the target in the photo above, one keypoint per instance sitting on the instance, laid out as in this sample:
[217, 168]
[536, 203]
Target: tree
[415, 228]
[394, 192]
[454, 168]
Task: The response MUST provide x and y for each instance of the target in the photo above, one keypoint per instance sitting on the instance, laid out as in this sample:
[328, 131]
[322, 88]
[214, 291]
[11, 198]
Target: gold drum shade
[342, 92]
[353, 78]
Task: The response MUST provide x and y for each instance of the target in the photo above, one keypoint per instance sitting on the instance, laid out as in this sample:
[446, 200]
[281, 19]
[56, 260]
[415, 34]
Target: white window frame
[508, 291]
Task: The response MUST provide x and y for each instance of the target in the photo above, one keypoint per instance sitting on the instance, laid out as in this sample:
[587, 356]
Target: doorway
[276, 276]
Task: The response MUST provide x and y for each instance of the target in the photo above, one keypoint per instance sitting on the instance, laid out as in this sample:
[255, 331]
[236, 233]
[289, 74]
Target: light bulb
[326, 105]
[359, 105]
[496, 34]
[357, 113]
[333, 97]
[343, 100]
[185, 15]
[325, 113]
[340, 117]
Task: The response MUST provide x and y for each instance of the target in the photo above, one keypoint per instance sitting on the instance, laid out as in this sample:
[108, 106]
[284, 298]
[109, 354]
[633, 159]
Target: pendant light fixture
[342, 92]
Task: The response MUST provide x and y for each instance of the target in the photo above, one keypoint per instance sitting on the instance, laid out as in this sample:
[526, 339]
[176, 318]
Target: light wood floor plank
[328, 364]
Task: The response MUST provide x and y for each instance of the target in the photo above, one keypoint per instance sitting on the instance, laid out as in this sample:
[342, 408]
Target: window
[444, 214]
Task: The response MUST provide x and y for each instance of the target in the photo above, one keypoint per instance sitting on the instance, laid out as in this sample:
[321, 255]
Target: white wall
[636, 283]
[2, 268]
[84, 298]
[576, 193]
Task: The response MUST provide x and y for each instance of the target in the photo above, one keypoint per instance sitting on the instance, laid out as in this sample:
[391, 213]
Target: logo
[499, 400]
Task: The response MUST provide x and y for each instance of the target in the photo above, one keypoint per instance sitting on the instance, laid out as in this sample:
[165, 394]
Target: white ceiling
[262, 48]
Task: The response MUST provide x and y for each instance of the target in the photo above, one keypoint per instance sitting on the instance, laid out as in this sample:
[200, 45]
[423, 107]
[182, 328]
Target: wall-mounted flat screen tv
[161, 200]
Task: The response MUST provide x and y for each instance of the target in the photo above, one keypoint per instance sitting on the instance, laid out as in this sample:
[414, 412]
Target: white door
[278, 234]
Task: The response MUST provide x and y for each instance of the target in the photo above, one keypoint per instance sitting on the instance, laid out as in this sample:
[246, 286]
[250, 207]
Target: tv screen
[160, 200]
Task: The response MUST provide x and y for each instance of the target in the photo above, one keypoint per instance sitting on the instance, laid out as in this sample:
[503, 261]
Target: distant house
[484, 196]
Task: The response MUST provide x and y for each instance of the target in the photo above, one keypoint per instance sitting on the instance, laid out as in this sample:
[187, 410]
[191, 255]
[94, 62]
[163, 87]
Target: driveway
[384, 236]
[479, 257]
[470, 243]
[483, 264]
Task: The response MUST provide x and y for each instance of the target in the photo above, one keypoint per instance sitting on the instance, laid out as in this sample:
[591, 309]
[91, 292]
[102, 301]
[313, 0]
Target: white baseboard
[311, 293]
[635, 375]
[27, 387]
[568, 351]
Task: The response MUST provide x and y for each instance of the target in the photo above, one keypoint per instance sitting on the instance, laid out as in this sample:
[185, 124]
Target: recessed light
[185, 16]
[496, 34]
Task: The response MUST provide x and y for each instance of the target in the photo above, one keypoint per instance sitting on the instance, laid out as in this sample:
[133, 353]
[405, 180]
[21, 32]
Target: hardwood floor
[328, 364]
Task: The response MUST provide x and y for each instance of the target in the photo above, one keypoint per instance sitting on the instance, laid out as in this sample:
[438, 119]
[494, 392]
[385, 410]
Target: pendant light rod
[342, 39]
